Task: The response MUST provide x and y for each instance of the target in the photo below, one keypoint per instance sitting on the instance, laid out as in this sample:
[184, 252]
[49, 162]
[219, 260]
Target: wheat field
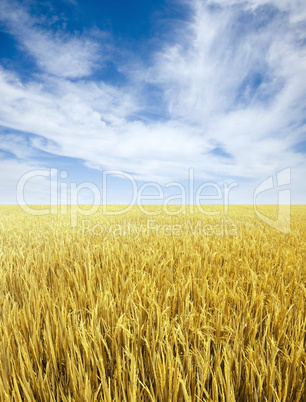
[152, 308]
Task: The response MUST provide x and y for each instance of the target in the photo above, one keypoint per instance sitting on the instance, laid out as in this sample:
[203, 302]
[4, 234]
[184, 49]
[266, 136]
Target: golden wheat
[131, 307]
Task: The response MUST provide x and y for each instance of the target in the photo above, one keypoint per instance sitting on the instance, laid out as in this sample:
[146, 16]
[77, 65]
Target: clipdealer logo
[70, 191]
[279, 183]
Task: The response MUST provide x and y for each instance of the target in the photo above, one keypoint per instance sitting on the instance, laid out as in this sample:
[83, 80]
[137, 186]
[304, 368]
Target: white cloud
[37, 190]
[206, 82]
[16, 145]
[57, 53]
[63, 57]
[295, 8]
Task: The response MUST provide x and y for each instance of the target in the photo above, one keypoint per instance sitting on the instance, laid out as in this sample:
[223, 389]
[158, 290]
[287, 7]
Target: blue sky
[153, 88]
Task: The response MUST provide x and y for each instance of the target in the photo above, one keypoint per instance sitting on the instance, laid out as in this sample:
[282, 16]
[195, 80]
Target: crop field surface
[138, 307]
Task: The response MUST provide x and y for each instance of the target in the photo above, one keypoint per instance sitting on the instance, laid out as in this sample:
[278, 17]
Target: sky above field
[153, 89]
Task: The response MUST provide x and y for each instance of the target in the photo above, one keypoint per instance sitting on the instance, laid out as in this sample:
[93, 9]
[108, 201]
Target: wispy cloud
[15, 145]
[232, 81]
[55, 51]
[35, 190]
